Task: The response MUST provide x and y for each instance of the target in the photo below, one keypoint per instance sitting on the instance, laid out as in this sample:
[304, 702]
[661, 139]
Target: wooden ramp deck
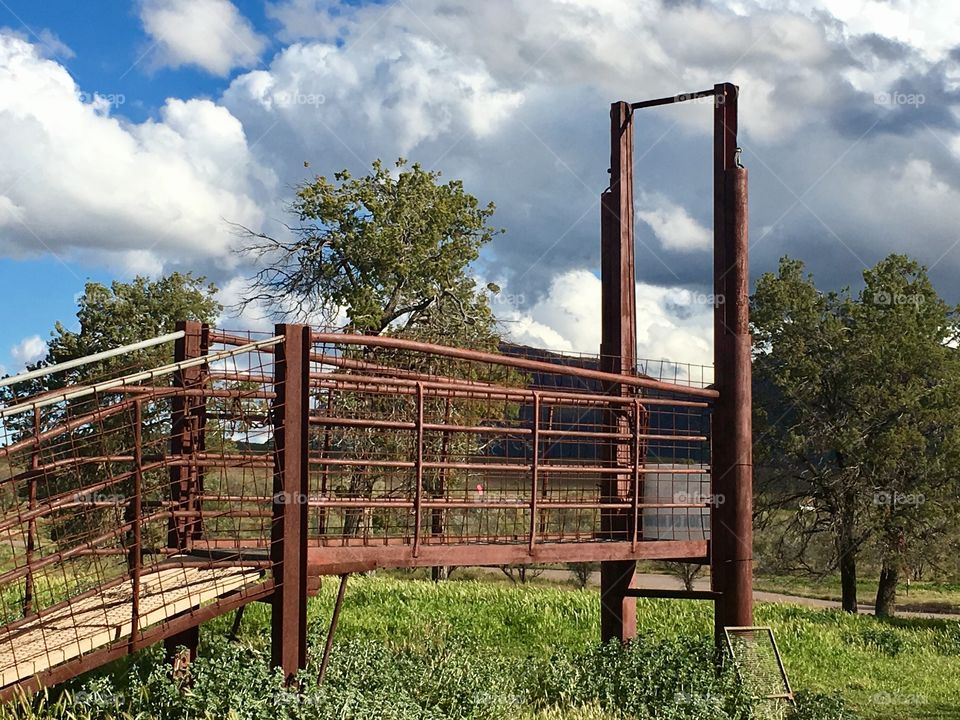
[82, 626]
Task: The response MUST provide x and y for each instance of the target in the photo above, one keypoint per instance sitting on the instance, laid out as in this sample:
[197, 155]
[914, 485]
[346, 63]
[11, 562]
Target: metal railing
[328, 452]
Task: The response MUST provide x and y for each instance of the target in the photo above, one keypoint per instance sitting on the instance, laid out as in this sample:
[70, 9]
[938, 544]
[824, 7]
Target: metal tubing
[508, 361]
[732, 461]
[534, 470]
[290, 490]
[80, 362]
[418, 473]
[635, 520]
[683, 97]
[364, 384]
[185, 435]
[334, 620]
[32, 522]
[136, 377]
[135, 556]
[618, 360]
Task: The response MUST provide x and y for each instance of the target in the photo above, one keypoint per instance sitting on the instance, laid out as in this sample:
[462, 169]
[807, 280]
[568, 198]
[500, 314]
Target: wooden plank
[81, 627]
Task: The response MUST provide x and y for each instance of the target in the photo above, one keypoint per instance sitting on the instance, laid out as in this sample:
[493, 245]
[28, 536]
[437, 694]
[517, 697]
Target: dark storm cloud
[831, 165]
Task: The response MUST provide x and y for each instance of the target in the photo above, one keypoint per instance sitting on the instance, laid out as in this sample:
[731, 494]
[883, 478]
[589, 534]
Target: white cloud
[674, 228]
[511, 97]
[82, 183]
[673, 323]
[411, 90]
[29, 350]
[211, 34]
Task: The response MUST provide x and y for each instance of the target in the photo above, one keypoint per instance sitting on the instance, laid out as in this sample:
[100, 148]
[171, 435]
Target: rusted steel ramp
[143, 502]
[66, 637]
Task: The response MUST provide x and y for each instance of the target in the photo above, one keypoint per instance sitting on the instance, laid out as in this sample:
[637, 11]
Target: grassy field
[465, 649]
[916, 597]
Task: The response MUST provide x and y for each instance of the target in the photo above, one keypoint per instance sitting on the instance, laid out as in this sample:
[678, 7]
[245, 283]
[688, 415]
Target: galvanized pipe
[86, 360]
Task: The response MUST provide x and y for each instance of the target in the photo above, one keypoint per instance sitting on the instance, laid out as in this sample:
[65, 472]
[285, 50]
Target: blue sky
[108, 54]
[132, 132]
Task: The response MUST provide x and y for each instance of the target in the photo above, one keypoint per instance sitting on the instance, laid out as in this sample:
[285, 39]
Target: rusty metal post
[534, 470]
[418, 472]
[188, 428]
[617, 355]
[188, 415]
[438, 515]
[325, 468]
[32, 522]
[135, 508]
[334, 620]
[731, 529]
[288, 547]
[543, 480]
[635, 482]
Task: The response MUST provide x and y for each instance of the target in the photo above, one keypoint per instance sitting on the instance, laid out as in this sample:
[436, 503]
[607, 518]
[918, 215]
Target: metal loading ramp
[83, 625]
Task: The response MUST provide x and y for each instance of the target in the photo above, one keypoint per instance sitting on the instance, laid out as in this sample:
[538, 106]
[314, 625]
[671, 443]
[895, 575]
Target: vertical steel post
[617, 355]
[32, 522]
[325, 467]
[188, 416]
[418, 473]
[534, 470]
[635, 500]
[438, 515]
[135, 552]
[288, 547]
[731, 528]
[543, 480]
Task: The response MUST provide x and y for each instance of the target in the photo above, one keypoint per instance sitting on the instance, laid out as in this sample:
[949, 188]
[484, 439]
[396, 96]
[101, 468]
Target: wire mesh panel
[758, 662]
[134, 490]
[423, 447]
[240, 408]
[119, 477]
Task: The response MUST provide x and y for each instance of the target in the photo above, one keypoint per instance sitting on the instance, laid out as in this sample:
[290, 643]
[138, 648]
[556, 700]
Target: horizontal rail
[96, 357]
[509, 361]
[491, 429]
[400, 504]
[507, 467]
[468, 389]
[673, 594]
[136, 377]
[682, 97]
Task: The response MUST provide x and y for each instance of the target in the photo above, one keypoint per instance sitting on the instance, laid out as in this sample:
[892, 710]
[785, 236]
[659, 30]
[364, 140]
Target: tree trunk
[887, 588]
[847, 550]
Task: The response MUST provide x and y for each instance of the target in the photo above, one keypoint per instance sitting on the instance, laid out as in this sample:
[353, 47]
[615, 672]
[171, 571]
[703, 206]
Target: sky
[135, 133]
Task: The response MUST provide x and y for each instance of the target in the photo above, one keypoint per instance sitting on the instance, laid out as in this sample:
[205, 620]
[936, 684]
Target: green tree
[126, 313]
[805, 430]
[853, 414]
[108, 317]
[910, 399]
[390, 250]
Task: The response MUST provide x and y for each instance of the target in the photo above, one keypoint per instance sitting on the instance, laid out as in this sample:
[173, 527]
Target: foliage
[108, 317]
[685, 572]
[582, 571]
[855, 424]
[391, 250]
[415, 649]
[386, 248]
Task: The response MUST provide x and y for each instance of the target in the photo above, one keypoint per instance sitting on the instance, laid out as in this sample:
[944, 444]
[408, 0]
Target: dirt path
[660, 581]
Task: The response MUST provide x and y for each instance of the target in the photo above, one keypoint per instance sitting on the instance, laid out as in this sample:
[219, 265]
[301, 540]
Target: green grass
[467, 649]
[917, 596]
